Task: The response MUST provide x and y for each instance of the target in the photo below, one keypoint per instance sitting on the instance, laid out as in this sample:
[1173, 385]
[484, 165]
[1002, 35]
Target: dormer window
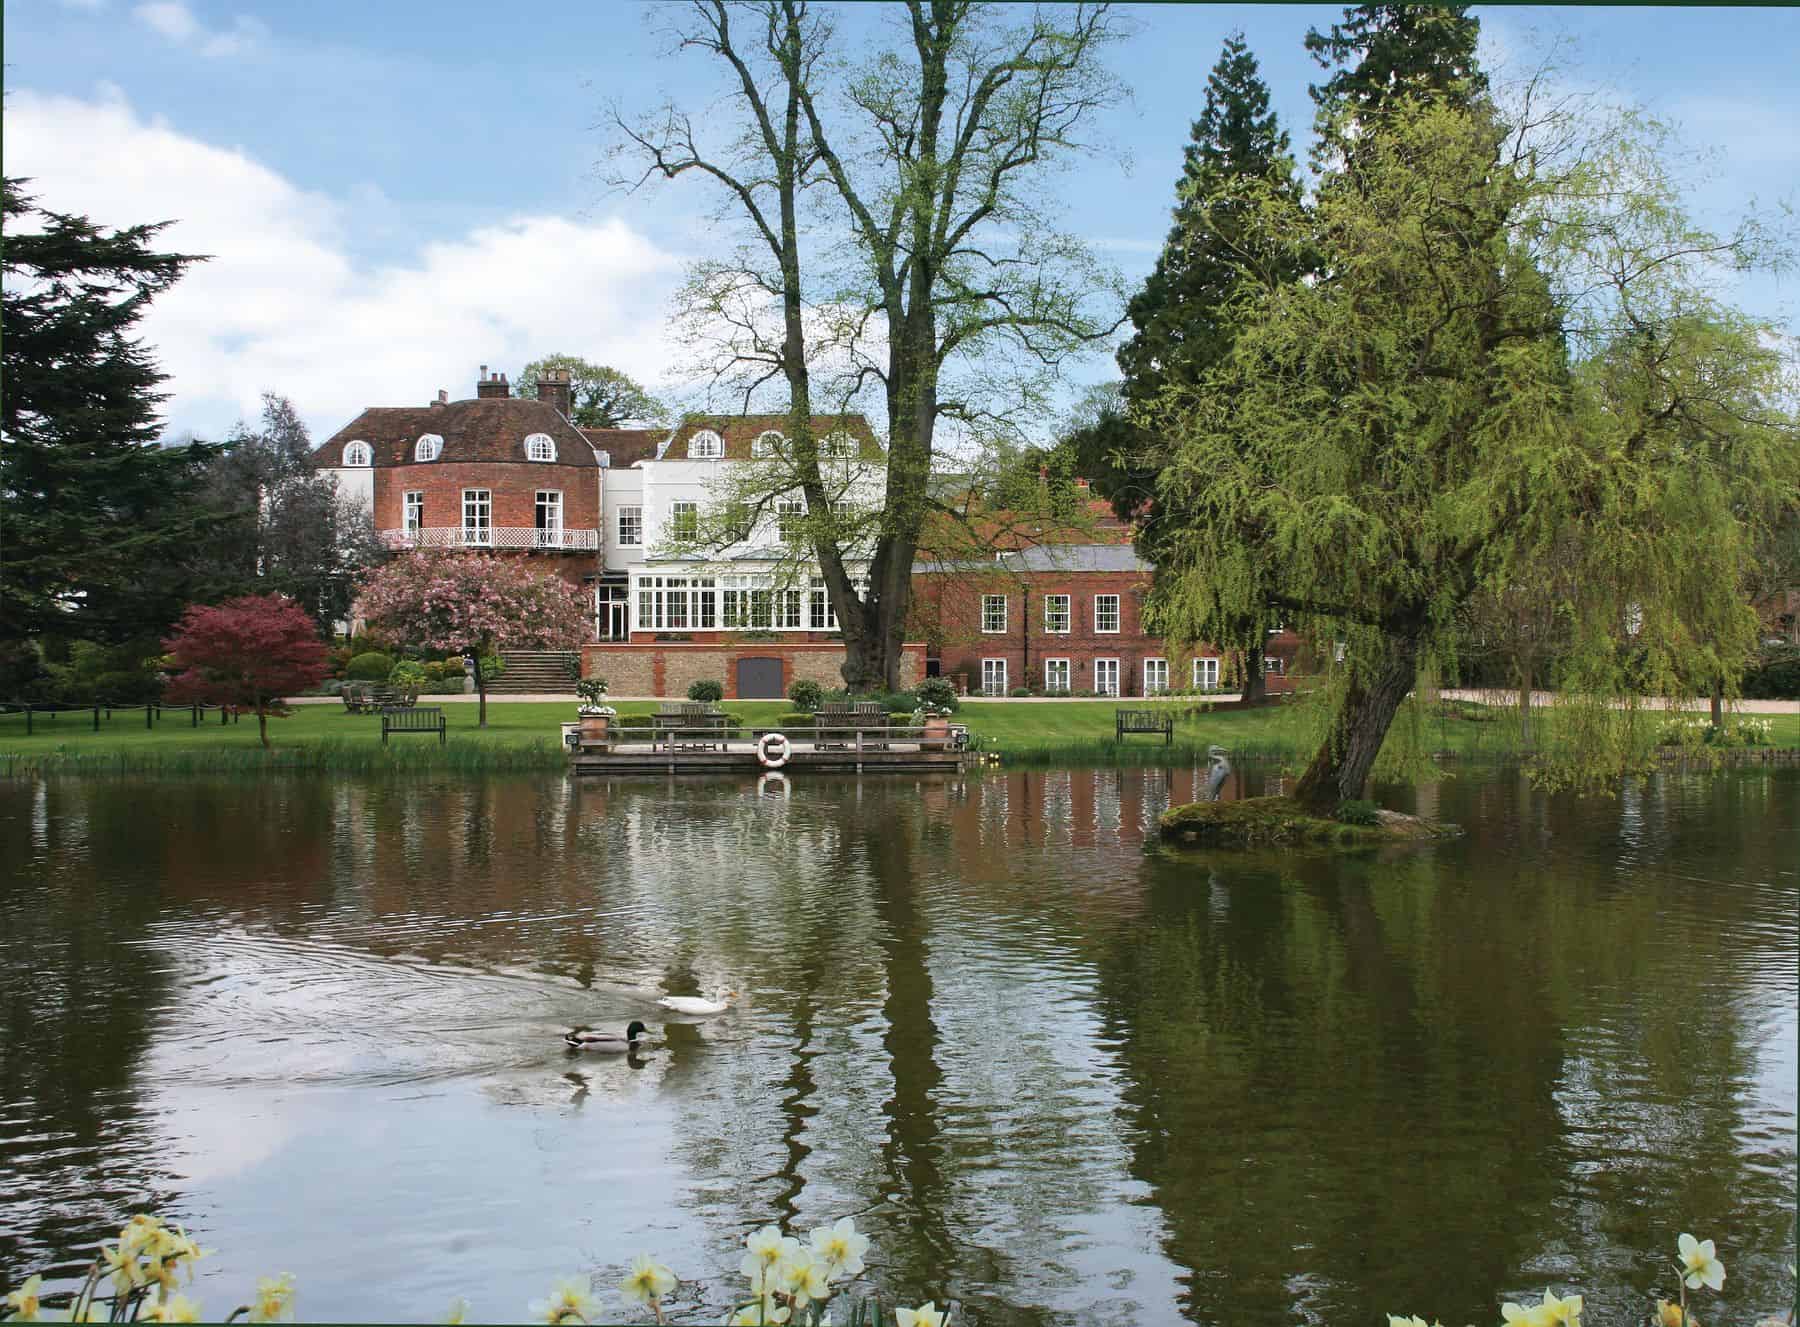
[358, 454]
[769, 443]
[838, 447]
[540, 447]
[705, 446]
[429, 448]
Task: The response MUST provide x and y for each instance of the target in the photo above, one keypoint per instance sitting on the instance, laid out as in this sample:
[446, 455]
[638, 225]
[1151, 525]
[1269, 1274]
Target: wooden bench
[1144, 721]
[690, 725]
[423, 719]
[846, 720]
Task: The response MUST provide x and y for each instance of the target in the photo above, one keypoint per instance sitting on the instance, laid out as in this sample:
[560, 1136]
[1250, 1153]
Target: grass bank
[524, 736]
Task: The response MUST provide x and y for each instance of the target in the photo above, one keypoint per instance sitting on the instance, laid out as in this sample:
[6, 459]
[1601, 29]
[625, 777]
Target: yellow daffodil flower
[161, 1307]
[1535, 1316]
[1699, 1260]
[1670, 1315]
[647, 1281]
[459, 1309]
[22, 1304]
[123, 1266]
[1561, 1312]
[568, 1299]
[926, 1315]
[840, 1247]
[274, 1299]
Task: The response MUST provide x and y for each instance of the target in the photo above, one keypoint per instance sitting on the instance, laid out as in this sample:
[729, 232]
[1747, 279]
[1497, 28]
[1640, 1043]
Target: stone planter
[937, 730]
[594, 727]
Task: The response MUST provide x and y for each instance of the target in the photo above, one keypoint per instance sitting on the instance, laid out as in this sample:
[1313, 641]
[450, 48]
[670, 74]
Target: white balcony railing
[493, 536]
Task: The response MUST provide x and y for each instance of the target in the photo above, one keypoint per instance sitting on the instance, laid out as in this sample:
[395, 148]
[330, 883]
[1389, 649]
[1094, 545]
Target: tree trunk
[1341, 767]
[262, 724]
[1525, 707]
[1256, 687]
[1718, 707]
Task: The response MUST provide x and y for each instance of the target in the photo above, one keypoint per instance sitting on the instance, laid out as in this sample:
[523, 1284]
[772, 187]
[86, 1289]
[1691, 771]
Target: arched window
[837, 447]
[430, 447]
[540, 447]
[358, 453]
[705, 446]
[768, 443]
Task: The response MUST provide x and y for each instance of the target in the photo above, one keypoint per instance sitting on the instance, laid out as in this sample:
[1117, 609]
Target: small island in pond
[1262, 821]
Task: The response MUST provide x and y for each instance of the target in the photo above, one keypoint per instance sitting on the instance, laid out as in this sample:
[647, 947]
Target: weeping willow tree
[1506, 353]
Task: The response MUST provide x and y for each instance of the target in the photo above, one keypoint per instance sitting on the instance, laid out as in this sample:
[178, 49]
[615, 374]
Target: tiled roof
[739, 431]
[1046, 557]
[483, 429]
[625, 447]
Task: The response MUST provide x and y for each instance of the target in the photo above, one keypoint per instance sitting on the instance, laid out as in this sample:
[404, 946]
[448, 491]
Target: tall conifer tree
[91, 503]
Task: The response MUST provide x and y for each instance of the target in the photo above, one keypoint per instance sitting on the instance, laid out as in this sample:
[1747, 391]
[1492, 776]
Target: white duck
[586, 1039]
[696, 1004]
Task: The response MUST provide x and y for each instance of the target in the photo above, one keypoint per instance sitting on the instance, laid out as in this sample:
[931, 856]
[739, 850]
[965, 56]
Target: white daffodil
[568, 1299]
[22, 1304]
[274, 1299]
[122, 1265]
[926, 1315]
[1535, 1316]
[1564, 1312]
[760, 1312]
[804, 1277]
[766, 1249]
[647, 1281]
[1700, 1263]
[170, 1308]
[840, 1247]
[1395, 1320]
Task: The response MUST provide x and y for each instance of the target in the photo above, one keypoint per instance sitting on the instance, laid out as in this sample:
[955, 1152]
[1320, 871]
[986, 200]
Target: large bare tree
[890, 192]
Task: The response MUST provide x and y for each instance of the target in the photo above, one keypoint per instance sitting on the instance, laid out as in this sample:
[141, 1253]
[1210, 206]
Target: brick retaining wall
[669, 668]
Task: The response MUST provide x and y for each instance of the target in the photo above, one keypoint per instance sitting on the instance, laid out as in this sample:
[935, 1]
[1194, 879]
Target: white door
[1056, 675]
[993, 677]
[1106, 677]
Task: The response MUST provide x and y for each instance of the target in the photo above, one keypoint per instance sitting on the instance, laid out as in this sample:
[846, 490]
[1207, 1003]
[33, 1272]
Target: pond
[1053, 1074]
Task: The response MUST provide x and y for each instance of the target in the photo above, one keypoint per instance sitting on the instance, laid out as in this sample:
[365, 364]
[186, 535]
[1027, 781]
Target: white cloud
[176, 22]
[282, 306]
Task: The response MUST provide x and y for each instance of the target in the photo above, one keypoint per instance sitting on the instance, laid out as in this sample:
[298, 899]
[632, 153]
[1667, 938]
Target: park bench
[1144, 721]
[368, 698]
[426, 719]
[839, 723]
[690, 725]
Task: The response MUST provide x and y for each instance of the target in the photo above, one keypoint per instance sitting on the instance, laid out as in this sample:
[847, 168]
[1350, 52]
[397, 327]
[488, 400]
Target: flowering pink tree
[248, 652]
[473, 603]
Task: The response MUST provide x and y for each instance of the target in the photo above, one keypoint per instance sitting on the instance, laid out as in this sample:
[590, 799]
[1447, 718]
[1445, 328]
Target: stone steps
[544, 672]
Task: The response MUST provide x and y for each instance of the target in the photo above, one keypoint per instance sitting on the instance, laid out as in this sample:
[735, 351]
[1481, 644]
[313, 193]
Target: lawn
[525, 735]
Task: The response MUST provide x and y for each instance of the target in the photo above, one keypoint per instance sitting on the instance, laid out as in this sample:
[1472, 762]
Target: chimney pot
[491, 384]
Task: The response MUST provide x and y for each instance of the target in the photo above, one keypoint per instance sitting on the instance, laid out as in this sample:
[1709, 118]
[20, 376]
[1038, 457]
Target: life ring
[777, 758]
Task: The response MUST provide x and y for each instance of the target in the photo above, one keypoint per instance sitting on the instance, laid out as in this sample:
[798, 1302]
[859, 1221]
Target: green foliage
[601, 397]
[806, 695]
[1358, 811]
[1775, 674]
[592, 690]
[938, 694]
[707, 691]
[799, 719]
[100, 521]
[492, 666]
[410, 675]
[89, 671]
[370, 667]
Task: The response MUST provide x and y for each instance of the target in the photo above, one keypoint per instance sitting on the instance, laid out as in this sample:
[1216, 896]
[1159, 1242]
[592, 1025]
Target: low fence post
[28, 718]
[196, 722]
[146, 718]
[96, 718]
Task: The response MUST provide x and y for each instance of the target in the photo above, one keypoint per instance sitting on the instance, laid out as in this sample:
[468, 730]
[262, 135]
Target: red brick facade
[669, 668]
[513, 488]
[952, 608]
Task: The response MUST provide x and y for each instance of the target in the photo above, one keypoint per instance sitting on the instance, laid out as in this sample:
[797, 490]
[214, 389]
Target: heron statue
[1220, 771]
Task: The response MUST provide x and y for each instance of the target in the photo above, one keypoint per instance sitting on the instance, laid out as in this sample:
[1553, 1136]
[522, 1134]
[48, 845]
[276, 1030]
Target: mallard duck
[586, 1039]
[696, 1004]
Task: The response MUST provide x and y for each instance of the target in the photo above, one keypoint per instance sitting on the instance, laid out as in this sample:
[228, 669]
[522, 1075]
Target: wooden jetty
[711, 751]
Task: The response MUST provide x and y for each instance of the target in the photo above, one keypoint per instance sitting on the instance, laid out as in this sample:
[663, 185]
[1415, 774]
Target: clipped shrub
[939, 694]
[1017, 692]
[796, 720]
[410, 675]
[492, 666]
[1359, 811]
[370, 667]
[706, 691]
[896, 700]
[899, 718]
[806, 696]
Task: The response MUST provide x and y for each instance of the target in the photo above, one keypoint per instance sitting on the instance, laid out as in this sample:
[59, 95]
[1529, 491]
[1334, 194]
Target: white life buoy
[772, 750]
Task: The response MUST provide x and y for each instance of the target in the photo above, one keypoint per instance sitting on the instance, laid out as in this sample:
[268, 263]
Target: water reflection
[1057, 1075]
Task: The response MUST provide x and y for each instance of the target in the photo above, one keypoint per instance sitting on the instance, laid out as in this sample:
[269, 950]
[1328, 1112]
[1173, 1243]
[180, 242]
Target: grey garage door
[759, 679]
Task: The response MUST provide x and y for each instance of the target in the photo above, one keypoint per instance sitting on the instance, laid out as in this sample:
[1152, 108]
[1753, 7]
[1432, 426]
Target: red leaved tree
[248, 653]
[473, 603]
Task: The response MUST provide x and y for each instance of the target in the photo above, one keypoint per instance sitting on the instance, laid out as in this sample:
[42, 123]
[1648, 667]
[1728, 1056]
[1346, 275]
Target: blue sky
[397, 192]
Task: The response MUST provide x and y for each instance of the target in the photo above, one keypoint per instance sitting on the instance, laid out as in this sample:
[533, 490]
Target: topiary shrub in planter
[806, 696]
[706, 691]
[371, 667]
[938, 694]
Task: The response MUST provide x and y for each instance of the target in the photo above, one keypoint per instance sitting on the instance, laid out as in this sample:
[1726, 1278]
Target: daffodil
[161, 1307]
[1671, 1315]
[760, 1312]
[1534, 1316]
[1557, 1312]
[568, 1299]
[1395, 1320]
[22, 1304]
[840, 1247]
[459, 1309]
[122, 1265]
[804, 1277]
[1699, 1260]
[926, 1315]
[765, 1250]
[648, 1280]
[274, 1299]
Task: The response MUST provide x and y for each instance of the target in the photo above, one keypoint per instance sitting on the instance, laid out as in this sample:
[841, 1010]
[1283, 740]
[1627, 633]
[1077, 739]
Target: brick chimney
[492, 384]
[554, 388]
